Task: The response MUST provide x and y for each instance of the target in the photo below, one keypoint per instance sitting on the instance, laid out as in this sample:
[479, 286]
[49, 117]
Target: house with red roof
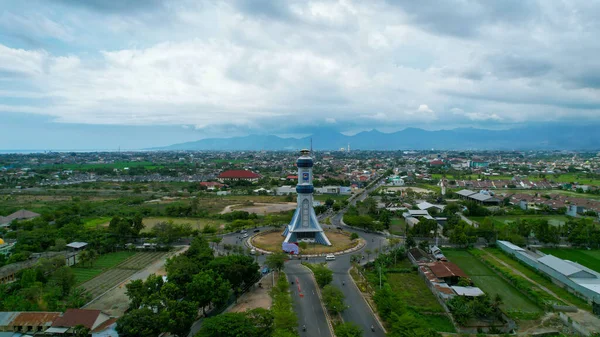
[235, 175]
[94, 320]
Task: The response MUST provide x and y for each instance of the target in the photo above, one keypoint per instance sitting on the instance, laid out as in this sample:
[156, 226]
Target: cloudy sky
[140, 73]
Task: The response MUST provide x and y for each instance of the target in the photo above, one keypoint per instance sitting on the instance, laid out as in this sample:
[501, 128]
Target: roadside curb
[368, 304]
[329, 324]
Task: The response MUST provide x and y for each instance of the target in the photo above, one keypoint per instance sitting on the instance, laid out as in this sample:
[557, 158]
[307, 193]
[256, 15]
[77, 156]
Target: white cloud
[344, 62]
[424, 108]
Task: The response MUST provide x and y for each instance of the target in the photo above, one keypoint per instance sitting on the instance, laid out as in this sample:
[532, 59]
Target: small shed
[77, 246]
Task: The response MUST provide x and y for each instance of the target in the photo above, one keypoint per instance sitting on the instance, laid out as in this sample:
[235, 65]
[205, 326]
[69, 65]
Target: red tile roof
[446, 269]
[74, 317]
[239, 174]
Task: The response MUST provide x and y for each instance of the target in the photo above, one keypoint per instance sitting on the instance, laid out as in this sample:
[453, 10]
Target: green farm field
[491, 283]
[103, 263]
[554, 220]
[588, 258]
[539, 279]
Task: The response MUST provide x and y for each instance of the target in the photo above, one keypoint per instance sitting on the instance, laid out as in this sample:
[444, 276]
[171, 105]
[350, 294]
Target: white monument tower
[304, 224]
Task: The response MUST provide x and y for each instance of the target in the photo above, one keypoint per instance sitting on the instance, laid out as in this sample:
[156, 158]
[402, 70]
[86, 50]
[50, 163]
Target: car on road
[329, 257]
[245, 236]
[339, 227]
[243, 231]
[256, 230]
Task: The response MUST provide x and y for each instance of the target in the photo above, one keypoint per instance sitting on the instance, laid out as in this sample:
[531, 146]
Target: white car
[329, 257]
[245, 235]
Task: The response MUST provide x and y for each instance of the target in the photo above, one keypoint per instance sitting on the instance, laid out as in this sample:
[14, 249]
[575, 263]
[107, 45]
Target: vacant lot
[413, 290]
[588, 258]
[404, 188]
[103, 263]
[195, 223]
[261, 209]
[490, 283]
[397, 226]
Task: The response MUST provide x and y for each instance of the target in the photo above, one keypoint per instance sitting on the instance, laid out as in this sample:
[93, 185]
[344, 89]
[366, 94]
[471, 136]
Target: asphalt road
[308, 308]
[307, 304]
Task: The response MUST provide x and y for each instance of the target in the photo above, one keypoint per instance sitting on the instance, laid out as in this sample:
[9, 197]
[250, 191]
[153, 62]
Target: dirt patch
[261, 208]
[258, 297]
[272, 241]
[195, 223]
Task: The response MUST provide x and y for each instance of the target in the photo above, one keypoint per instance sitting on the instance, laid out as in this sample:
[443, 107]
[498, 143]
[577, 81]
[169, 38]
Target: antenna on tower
[311, 145]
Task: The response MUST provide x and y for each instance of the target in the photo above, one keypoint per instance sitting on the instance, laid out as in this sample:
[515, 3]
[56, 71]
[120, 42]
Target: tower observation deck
[304, 224]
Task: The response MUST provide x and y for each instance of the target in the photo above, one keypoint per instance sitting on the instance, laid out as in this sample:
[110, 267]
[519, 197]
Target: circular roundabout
[270, 242]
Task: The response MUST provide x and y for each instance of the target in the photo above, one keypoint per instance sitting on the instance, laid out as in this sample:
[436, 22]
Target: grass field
[397, 226]
[588, 258]
[195, 223]
[440, 323]
[411, 288]
[94, 223]
[324, 197]
[501, 221]
[539, 279]
[491, 283]
[103, 263]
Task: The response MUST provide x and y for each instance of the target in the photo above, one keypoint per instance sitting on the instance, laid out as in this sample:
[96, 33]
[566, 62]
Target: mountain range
[540, 137]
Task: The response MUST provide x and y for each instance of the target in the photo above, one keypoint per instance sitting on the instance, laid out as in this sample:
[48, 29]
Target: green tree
[353, 236]
[208, 288]
[323, 275]
[64, 278]
[228, 325]
[276, 261]
[333, 298]
[348, 329]
[81, 331]
[139, 323]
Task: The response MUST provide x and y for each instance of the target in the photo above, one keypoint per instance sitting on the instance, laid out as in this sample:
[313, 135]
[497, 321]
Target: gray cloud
[465, 18]
[115, 6]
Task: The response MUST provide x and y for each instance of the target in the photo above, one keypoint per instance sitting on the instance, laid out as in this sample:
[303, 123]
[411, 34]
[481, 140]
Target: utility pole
[379, 276]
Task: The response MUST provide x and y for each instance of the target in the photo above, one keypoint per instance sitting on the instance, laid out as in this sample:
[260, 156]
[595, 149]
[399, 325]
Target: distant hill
[542, 137]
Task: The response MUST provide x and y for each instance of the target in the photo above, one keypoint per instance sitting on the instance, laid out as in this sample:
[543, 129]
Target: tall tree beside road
[208, 288]
[276, 261]
[348, 329]
[323, 275]
[333, 298]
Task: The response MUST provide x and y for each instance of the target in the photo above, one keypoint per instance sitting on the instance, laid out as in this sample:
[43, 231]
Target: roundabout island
[271, 241]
